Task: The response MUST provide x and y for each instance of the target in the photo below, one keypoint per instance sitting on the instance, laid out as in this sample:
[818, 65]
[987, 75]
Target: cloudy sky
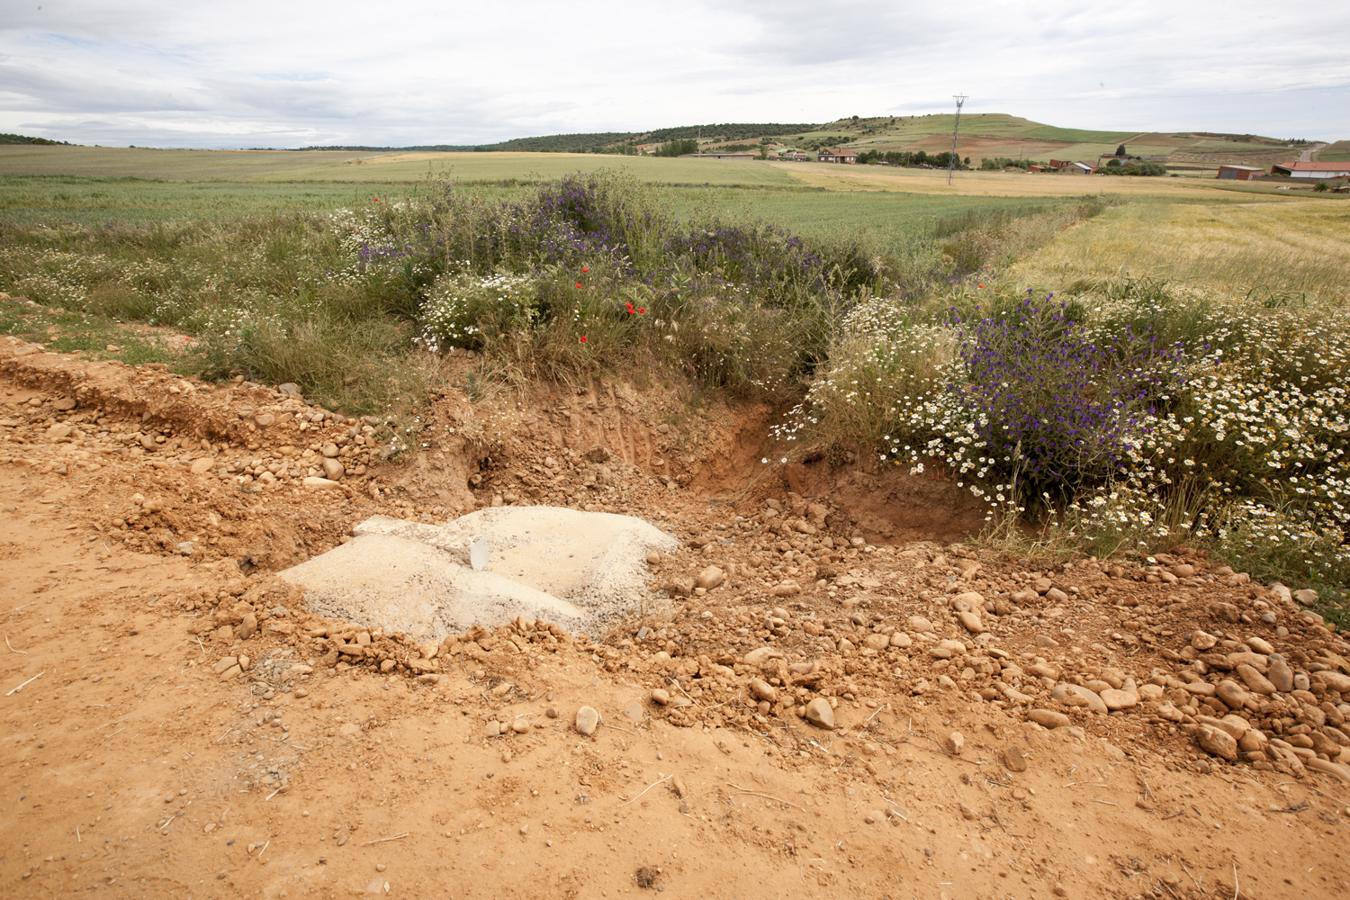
[285, 73]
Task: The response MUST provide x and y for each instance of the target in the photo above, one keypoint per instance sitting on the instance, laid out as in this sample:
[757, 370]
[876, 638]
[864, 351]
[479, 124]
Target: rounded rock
[587, 720]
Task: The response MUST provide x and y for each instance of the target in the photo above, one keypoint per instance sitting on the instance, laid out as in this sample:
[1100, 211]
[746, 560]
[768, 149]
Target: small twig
[17, 688]
[895, 808]
[264, 849]
[78, 839]
[737, 787]
[384, 840]
[1092, 783]
[1102, 802]
[649, 787]
[874, 714]
[679, 687]
[1189, 875]
[11, 647]
[271, 795]
[164, 826]
[1236, 889]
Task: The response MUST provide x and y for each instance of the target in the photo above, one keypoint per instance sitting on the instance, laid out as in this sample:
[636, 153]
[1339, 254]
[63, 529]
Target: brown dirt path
[130, 768]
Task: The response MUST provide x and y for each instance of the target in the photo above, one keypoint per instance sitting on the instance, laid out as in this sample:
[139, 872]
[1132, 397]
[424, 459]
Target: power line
[956, 129]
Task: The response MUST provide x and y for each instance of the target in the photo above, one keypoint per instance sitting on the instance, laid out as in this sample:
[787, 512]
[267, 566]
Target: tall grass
[604, 277]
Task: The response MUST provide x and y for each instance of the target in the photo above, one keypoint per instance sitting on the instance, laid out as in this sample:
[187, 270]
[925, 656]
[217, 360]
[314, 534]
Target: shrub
[678, 147]
[467, 310]
[883, 360]
[1036, 409]
[1132, 416]
[1133, 167]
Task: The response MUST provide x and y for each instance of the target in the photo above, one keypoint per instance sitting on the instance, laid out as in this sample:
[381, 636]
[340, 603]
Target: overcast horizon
[252, 74]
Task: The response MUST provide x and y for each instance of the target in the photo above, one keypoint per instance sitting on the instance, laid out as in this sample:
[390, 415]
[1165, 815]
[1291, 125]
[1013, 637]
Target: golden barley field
[1289, 247]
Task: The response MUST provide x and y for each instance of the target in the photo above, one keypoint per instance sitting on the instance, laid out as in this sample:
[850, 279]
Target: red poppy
[583, 338]
[642, 310]
[585, 269]
[981, 284]
[578, 285]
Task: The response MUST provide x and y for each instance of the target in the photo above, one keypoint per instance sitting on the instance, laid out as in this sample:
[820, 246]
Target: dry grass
[1291, 247]
[1009, 184]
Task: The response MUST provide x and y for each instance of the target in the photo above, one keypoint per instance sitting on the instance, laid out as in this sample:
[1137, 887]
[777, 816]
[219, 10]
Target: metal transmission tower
[956, 129]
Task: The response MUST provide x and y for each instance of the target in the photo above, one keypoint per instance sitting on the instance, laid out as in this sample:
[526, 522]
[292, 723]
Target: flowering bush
[882, 362]
[465, 310]
[1128, 418]
[1050, 408]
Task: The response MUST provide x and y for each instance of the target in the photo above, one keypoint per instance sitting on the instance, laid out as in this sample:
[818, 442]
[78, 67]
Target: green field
[1337, 152]
[93, 200]
[99, 187]
[371, 166]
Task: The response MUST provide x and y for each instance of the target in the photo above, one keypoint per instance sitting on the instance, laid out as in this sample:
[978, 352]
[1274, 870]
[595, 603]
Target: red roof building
[1312, 169]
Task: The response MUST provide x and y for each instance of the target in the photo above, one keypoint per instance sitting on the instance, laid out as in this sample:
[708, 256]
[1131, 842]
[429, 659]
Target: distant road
[1307, 155]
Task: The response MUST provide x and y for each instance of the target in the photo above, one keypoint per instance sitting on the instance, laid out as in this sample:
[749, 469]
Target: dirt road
[185, 728]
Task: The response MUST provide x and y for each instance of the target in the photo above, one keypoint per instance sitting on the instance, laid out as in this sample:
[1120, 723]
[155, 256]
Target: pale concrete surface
[581, 570]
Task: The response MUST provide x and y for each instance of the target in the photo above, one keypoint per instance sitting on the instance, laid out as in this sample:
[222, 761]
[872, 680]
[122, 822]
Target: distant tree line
[677, 147]
[827, 140]
[998, 163]
[913, 159]
[1133, 167]
[27, 139]
[726, 132]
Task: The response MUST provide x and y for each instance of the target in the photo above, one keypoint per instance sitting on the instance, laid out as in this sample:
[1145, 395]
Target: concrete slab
[581, 570]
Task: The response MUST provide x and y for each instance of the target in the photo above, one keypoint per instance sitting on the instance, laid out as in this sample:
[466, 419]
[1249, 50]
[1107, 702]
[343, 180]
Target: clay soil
[174, 722]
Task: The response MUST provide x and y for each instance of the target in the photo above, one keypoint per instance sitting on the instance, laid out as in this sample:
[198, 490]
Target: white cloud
[251, 73]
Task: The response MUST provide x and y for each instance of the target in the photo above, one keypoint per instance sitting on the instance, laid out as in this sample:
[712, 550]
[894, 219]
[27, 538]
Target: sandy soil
[174, 722]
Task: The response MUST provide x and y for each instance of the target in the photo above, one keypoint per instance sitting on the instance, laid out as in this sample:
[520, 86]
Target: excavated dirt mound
[581, 570]
[816, 712]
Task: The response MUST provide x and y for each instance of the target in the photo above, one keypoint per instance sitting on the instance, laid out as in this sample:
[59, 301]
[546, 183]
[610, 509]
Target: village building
[1317, 170]
[1240, 173]
[1072, 167]
[835, 155]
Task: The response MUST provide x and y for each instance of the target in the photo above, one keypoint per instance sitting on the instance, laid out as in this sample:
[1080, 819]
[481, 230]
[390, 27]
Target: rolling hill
[993, 135]
[983, 136]
[987, 135]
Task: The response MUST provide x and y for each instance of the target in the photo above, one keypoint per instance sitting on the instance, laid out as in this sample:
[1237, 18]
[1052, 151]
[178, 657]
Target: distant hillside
[596, 142]
[987, 135]
[994, 136]
[1337, 152]
[28, 139]
[618, 141]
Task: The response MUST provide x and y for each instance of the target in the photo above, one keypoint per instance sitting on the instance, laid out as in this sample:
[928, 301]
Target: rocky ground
[839, 695]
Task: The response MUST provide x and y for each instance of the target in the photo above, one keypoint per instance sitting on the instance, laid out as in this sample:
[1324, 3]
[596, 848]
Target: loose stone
[587, 720]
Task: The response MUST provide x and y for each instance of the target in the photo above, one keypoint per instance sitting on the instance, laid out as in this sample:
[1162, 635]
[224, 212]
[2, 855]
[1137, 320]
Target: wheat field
[1298, 247]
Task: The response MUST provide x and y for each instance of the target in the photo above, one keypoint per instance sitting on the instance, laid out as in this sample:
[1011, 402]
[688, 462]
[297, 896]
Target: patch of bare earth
[174, 722]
